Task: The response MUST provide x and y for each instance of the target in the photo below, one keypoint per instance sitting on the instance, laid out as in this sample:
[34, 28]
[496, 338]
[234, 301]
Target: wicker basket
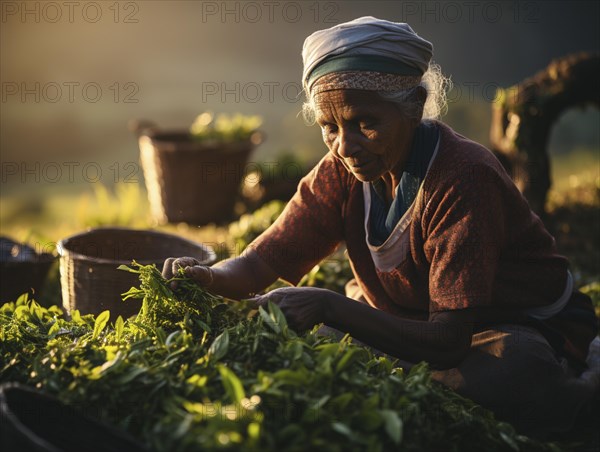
[89, 277]
[190, 181]
[22, 269]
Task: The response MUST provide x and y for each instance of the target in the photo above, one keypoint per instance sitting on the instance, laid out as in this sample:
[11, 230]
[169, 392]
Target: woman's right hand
[235, 278]
[202, 274]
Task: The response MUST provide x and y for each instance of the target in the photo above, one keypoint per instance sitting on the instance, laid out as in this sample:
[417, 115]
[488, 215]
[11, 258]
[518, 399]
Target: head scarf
[373, 54]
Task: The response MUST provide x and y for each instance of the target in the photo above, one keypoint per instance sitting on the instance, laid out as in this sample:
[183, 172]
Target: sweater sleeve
[311, 225]
[465, 232]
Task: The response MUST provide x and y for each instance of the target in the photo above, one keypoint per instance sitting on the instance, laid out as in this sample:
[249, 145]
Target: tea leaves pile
[193, 371]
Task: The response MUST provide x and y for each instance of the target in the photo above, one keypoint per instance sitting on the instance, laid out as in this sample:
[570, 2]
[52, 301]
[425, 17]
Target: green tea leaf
[127, 269]
[218, 349]
[507, 434]
[270, 321]
[341, 428]
[21, 312]
[197, 380]
[274, 318]
[134, 292]
[277, 315]
[131, 375]
[100, 323]
[76, 316]
[119, 324]
[291, 377]
[370, 420]
[232, 384]
[254, 431]
[393, 425]
[161, 336]
[23, 298]
[346, 359]
[55, 328]
[341, 402]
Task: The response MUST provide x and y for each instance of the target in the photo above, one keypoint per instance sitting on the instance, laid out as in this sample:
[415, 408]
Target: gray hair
[435, 83]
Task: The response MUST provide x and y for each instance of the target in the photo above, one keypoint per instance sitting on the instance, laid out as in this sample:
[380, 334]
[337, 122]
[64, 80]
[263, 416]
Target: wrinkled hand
[303, 307]
[202, 274]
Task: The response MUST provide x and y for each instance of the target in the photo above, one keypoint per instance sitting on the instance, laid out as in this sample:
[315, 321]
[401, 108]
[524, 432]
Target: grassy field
[575, 169]
[574, 212]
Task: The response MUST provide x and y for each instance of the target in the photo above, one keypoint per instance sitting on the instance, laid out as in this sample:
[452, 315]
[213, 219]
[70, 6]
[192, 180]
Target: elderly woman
[451, 266]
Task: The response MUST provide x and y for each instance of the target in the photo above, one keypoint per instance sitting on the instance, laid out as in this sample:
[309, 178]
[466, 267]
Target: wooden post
[523, 116]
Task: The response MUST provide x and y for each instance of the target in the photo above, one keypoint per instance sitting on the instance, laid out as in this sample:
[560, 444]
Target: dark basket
[22, 270]
[36, 422]
[89, 277]
[190, 181]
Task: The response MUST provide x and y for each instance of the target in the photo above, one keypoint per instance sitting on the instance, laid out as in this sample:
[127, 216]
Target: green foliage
[224, 128]
[100, 323]
[193, 371]
[125, 205]
[332, 273]
[593, 291]
[251, 225]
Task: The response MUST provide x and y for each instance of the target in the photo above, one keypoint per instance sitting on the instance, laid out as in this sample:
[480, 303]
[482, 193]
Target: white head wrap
[366, 36]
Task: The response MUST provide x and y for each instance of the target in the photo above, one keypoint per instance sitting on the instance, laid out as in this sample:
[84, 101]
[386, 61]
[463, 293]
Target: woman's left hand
[303, 307]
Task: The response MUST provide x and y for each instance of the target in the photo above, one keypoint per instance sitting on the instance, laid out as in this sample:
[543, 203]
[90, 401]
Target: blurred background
[74, 74]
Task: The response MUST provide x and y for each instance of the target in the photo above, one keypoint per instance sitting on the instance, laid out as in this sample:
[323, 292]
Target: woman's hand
[202, 274]
[236, 278]
[303, 307]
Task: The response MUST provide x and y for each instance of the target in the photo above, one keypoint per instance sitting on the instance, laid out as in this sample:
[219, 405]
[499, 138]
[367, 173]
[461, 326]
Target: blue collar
[383, 217]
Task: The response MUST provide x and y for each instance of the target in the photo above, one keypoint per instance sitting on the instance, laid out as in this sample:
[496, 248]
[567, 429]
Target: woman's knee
[513, 371]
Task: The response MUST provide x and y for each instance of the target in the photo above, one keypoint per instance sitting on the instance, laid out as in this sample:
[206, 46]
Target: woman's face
[368, 134]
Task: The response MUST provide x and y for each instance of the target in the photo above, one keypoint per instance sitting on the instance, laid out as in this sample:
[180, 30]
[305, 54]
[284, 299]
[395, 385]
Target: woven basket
[191, 181]
[89, 277]
[22, 270]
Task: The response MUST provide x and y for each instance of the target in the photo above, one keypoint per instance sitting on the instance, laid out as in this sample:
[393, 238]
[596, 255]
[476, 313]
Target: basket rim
[15, 419]
[63, 251]
[38, 396]
[159, 139]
